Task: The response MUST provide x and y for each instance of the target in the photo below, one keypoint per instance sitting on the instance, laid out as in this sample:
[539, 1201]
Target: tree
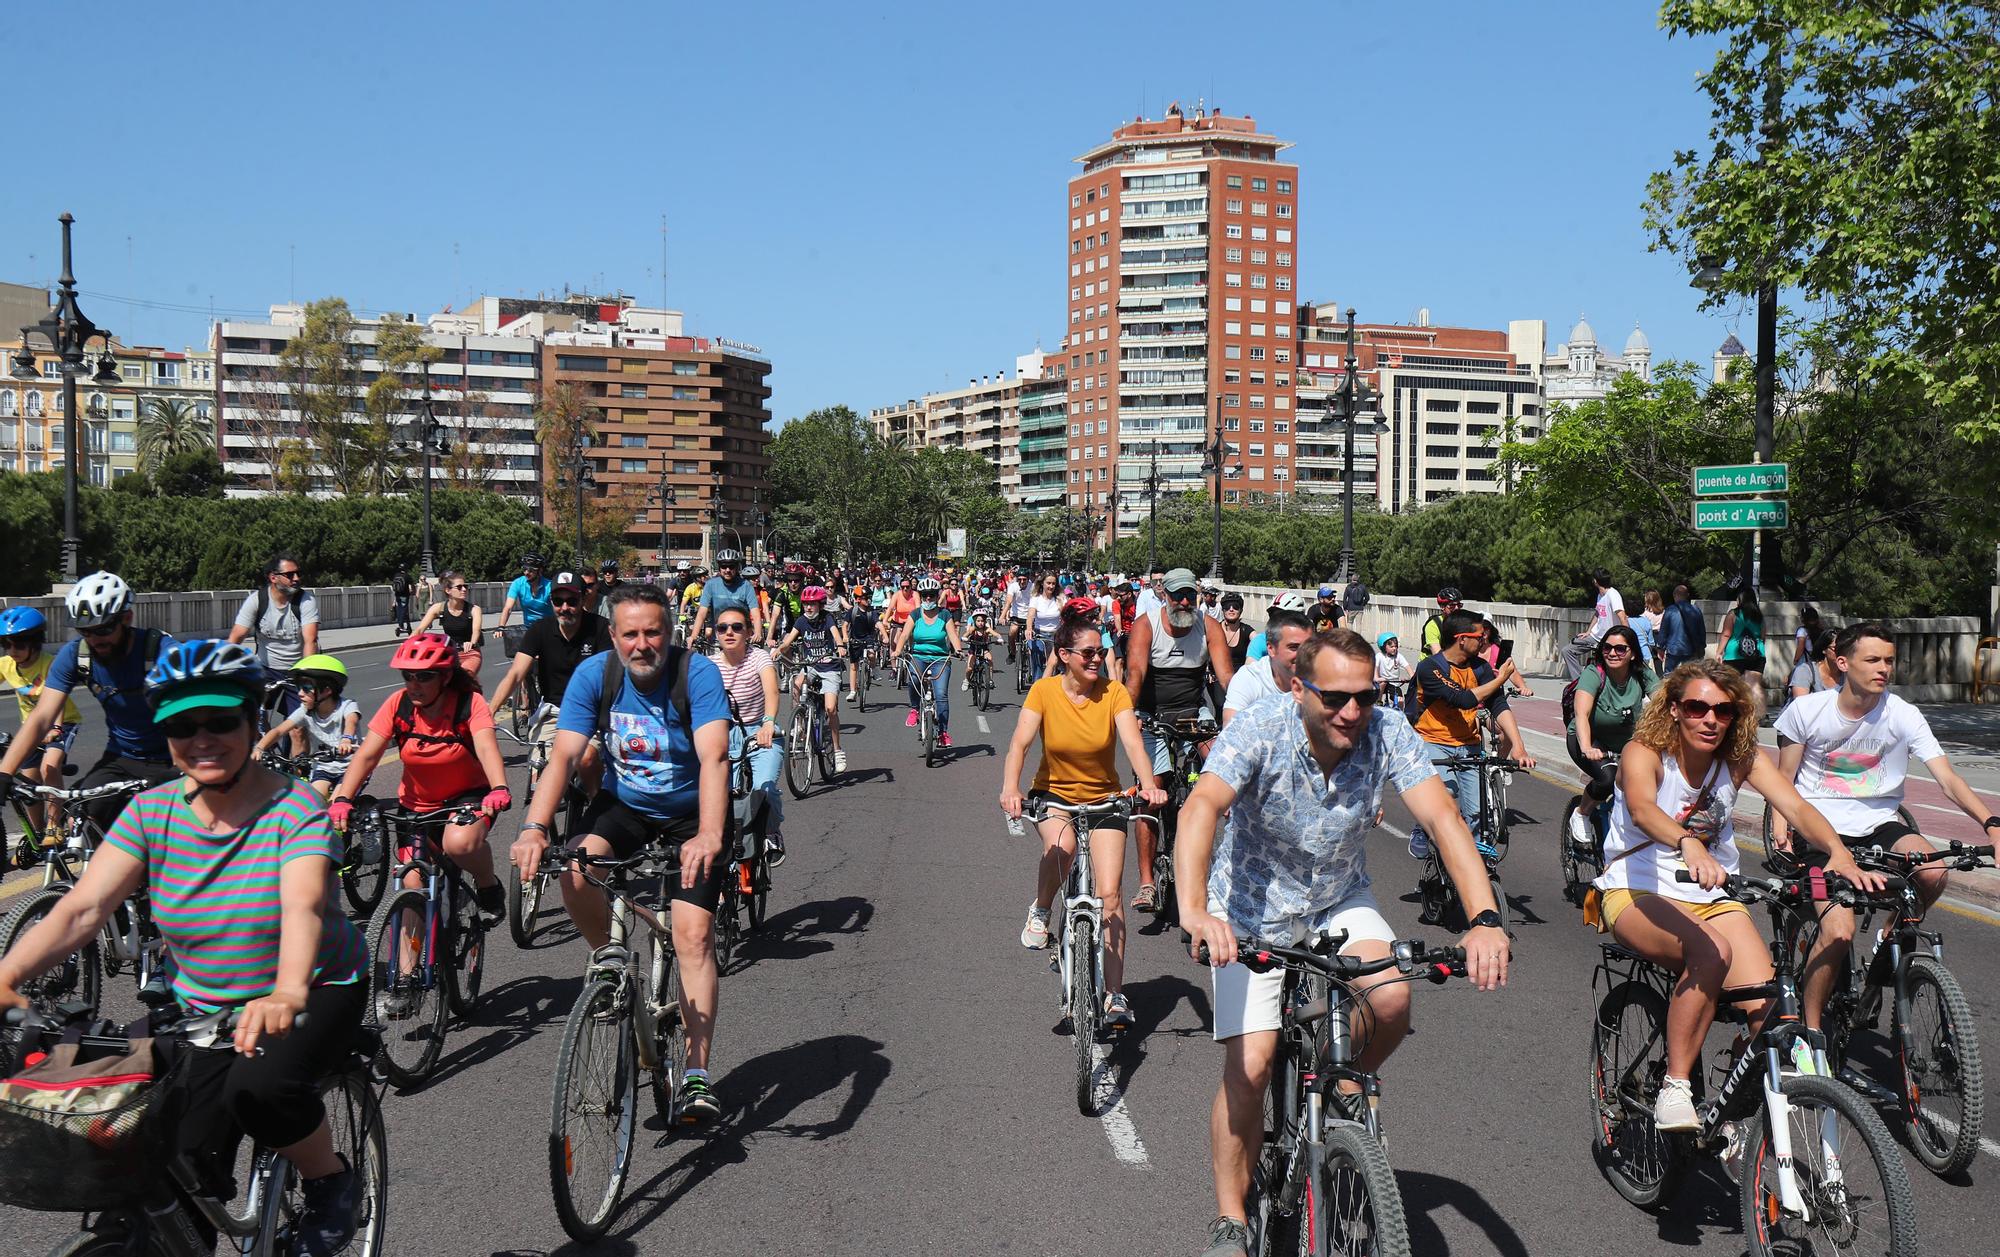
[836, 476]
[319, 367]
[194, 473]
[403, 356]
[168, 426]
[1855, 156]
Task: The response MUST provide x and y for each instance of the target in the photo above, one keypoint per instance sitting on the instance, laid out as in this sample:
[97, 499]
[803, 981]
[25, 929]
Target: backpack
[1423, 635]
[403, 725]
[1569, 694]
[149, 648]
[614, 680]
[1354, 599]
[400, 586]
[264, 604]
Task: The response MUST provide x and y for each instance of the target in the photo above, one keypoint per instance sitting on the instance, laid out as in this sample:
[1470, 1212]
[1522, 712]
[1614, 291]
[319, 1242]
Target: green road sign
[1716, 482]
[1722, 516]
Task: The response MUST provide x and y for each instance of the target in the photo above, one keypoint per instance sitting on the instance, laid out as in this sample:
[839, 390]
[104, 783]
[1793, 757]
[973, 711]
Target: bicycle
[925, 679]
[524, 898]
[979, 678]
[428, 945]
[1032, 657]
[1076, 934]
[1582, 861]
[141, 1195]
[809, 744]
[864, 673]
[627, 1018]
[1798, 1174]
[1438, 901]
[127, 937]
[751, 893]
[1942, 1097]
[1184, 736]
[1499, 772]
[1778, 855]
[1322, 1182]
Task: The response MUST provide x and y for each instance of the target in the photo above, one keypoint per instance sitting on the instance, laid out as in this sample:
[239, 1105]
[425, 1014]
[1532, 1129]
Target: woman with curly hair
[1695, 746]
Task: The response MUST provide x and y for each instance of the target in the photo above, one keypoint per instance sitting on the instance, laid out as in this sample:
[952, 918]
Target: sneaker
[910, 721]
[1117, 1011]
[398, 1003]
[1420, 843]
[964, 684]
[1579, 831]
[1227, 1238]
[1674, 1109]
[944, 740]
[840, 761]
[332, 1212]
[1035, 934]
[774, 849]
[492, 901]
[697, 1104]
[852, 698]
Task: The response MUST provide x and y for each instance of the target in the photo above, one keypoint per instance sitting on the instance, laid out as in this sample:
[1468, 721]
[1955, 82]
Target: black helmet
[609, 565]
[1449, 595]
[531, 559]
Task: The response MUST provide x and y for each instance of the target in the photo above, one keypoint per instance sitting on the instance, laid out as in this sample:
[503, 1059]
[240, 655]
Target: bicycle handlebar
[1409, 956]
[1110, 805]
[1960, 855]
[1182, 728]
[82, 794]
[1792, 892]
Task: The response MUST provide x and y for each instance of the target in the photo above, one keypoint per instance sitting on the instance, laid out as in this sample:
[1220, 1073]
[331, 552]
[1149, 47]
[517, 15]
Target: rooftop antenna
[663, 260]
[455, 292]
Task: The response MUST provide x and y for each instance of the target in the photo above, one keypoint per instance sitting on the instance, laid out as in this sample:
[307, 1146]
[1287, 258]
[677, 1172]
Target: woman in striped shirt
[238, 862]
[750, 680]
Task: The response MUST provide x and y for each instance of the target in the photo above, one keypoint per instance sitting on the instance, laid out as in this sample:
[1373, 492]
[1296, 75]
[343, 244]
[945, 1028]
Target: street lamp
[69, 335]
[665, 497]
[1349, 405]
[1152, 483]
[583, 481]
[1215, 462]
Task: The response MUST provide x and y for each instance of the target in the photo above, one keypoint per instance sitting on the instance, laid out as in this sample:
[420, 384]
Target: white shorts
[1247, 1002]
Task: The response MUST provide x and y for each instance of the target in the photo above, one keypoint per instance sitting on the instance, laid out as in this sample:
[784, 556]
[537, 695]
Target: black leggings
[1601, 777]
[272, 1097]
[120, 768]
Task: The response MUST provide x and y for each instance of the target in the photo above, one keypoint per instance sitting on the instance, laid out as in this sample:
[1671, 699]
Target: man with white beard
[1167, 660]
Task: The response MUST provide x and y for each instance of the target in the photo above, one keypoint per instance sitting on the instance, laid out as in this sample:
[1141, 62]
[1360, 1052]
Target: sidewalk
[1969, 734]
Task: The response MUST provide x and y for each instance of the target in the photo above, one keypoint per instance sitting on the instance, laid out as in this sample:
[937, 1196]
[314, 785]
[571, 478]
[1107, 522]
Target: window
[1103, 426]
[51, 369]
[1281, 307]
[1284, 283]
[34, 405]
[1284, 185]
[1256, 305]
[1256, 353]
[636, 465]
[1256, 447]
[1103, 450]
[1232, 304]
[1259, 185]
[1233, 206]
[1259, 329]
[1256, 473]
[1232, 400]
[1259, 258]
[1284, 235]
[1283, 355]
[1259, 233]
[1284, 258]
[1075, 224]
[1258, 209]
[572, 362]
[1232, 279]
[1074, 200]
[1256, 377]
[1256, 401]
[1232, 352]
[1236, 181]
[1231, 424]
[632, 390]
[687, 368]
[1232, 377]
[1232, 255]
[1281, 450]
[1284, 211]
[1232, 328]
[631, 441]
[1281, 425]
[1233, 231]
[7, 404]
[1256, 425]
[1281, 402]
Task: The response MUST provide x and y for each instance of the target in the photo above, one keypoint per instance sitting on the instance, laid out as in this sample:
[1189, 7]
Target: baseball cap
[1180, 578]
[566, 580]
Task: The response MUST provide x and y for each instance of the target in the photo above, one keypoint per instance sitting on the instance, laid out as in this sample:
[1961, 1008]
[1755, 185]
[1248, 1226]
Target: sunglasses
[732, 628]
[1338, 700]
[1725, 712]
[1090, 654]
[414, 677]
[215, 726]
[1610, 649]
[565, 602]
[100, 630]
[294, 574]
[1182, 595]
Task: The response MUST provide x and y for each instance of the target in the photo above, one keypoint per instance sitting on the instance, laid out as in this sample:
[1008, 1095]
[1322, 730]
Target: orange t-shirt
[902, 606]
[435, 773]
[1079, 744]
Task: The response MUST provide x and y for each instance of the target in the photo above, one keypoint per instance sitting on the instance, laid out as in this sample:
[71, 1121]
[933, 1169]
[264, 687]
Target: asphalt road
[894, 1081]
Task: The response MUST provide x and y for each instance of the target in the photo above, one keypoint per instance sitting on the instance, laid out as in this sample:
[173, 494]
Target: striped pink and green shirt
[215, 896]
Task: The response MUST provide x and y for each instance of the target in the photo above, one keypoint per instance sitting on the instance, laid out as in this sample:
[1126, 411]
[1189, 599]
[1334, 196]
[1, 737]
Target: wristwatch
[537, 826]
[1489, 919]
[1990, 822]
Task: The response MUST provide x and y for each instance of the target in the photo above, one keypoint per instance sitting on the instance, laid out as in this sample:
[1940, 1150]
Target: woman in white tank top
[1695, 746]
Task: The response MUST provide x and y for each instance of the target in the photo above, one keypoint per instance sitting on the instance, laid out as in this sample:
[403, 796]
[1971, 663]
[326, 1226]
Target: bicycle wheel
[927, 731]
[728, 929]
[760, 893]
[1628, 1060]
[669, 1031]
[1499, 897]
[109, 1237]
[364, 868]
[404, 1001]
[1503, 824]
[798, 753]
[1352, 1203]
[1777, 853]
[822, 747]
[1856, 1190]
[594, 1114]
[355, 1121]
[1084, 1010]
[465, 946]
[77, 979]
[1274, 1231]
[1575, 883]
[1944, 1088]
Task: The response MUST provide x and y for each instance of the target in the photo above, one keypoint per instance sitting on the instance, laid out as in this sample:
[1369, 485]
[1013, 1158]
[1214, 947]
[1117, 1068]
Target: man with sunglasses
[284, 617]
[1301, 782]
[1444, 695]
[530, 592]
[553, 648]
[110, 658]
[728, 588]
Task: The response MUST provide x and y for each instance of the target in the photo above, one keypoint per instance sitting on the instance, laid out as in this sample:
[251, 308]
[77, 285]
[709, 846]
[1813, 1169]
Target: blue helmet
[15, 621]
[205, 665]
[1325, 590]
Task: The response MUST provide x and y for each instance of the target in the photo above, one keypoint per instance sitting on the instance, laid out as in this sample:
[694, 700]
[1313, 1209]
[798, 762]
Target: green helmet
[323, 668]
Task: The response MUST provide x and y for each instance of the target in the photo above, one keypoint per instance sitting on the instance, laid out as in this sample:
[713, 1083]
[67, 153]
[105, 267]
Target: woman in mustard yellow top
[1080, 717]
[24, 666]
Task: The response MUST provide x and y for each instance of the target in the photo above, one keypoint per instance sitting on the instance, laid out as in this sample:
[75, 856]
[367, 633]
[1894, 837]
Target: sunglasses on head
[1339, 699]
[216, 726]
[1725, 712]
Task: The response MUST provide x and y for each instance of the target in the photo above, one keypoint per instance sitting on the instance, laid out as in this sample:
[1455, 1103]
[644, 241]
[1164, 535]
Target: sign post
[1741, 514]
[1768, 509]
[1762, 479]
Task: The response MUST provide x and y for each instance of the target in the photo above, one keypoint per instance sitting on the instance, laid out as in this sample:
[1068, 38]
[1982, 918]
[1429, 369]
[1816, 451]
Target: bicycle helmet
[728, 558]
[1078, 608]
[753, 572]
[531, 559]
[1449, 595]
[609, 565]
[425, 652]
[1232, 599]
[97, 600]
[813, 593]
[1290, 600]
[203, 672]
[20, 621]
[322, 668]
[927, 585]
[1383, 639]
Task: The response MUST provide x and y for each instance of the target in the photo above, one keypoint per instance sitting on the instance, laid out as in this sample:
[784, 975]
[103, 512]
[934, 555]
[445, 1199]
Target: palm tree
[171, 426]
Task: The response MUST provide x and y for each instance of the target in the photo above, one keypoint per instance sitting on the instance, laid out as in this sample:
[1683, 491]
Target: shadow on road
[1427, 1194]
[803, 930]
[1154, 1001]
[509, 1014]
[853, 775]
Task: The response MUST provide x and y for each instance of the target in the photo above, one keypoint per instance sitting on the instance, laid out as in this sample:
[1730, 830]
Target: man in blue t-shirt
[725, 589]
[114, 671]
[667, 748]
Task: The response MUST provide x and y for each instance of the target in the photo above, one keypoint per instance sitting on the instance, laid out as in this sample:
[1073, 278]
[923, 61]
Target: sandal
[1148, 898]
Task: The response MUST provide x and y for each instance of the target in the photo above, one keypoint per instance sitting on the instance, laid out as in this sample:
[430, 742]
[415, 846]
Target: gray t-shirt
[280, 637]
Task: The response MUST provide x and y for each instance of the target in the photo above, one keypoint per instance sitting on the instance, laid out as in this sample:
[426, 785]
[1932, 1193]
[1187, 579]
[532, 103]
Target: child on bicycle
[24, 665]
[330, 724]
[824, 643]
[979, 640]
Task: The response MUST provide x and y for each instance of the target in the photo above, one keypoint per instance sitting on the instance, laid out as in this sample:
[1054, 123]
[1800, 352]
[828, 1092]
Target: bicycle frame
[127, 935]
[619, 958]
[443, 881]
[1080, 900]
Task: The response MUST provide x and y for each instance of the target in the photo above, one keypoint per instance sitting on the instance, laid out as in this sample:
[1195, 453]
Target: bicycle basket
[77, 1137]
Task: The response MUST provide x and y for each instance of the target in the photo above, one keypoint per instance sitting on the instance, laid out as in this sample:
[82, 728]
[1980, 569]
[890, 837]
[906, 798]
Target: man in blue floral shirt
[1300, 776]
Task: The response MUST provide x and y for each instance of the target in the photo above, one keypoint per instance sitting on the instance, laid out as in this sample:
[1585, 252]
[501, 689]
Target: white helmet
[98, 599]
[1290, 600]
[927, 585]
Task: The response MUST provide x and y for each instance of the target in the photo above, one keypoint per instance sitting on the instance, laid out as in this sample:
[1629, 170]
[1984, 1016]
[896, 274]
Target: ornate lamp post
[431, 441]
[69, 335]
[1350, 406]
[1215, 462]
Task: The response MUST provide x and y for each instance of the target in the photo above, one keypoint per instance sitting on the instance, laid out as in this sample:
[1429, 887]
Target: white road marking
[983, 726]
[1118, 1127]
[1987, 1146]
[1948, 811]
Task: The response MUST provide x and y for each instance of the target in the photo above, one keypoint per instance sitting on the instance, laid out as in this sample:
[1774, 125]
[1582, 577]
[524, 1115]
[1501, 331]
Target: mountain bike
[1580, 839]
[427, 945]
[979, 678]
[1815, 1164]
[628, 1018]
[1778, 855]
[749, 872]
[1076, 934]
[524, 896]
[1322, 1183]
[139, 1194]
[1498, 772]
[925, 679]
[127, 939]
[1184, 736]
[864, 671]
[1942, 1097]
[1437, 895]
[809, 743]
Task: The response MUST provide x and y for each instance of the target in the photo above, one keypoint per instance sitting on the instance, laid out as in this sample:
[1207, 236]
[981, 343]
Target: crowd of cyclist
[649, 687]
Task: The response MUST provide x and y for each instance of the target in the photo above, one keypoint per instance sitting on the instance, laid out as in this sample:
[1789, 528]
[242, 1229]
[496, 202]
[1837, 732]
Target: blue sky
[874, 194]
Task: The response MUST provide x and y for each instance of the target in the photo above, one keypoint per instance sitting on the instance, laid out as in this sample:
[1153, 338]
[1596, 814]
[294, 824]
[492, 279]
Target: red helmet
[425, 652]
[813, 593]
[1079, 608]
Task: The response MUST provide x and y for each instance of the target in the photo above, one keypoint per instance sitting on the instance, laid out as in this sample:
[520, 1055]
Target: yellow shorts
[1616, 901]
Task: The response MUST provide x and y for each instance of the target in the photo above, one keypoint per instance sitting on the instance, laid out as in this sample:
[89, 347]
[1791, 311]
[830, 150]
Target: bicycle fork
[1809, 1060]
